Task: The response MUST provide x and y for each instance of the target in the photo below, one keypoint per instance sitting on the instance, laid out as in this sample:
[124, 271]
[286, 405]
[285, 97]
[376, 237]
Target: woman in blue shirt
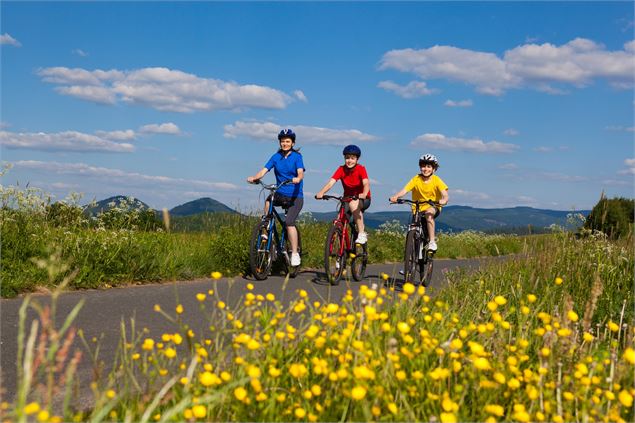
[287, 164]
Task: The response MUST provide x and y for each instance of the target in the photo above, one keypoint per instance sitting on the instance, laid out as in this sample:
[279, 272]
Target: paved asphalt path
[103, 310]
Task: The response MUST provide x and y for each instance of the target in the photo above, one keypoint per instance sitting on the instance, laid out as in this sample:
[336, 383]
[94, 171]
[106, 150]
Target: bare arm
[366, 190]
[444, 197]
[258, 175]
[400, 194]
[325, 188]
[298, 178]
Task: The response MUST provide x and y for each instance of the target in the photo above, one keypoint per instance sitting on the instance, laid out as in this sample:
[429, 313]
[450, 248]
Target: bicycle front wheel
[359, 262]
[334, 259]
[411, 258]
[259, 255]
[426, 265]
[293, 271]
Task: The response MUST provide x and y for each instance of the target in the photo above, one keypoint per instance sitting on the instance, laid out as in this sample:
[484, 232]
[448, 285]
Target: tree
[612, 216]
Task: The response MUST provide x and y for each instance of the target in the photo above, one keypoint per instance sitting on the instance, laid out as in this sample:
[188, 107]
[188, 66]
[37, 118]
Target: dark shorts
[364, 203]
[292, 205]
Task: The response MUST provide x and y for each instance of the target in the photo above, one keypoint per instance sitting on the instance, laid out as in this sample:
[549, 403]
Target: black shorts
[293, 206]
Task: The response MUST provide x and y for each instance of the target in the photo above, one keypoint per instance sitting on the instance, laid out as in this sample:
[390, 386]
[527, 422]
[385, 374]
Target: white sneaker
[295, 259]
[432, 246]
[362, 238]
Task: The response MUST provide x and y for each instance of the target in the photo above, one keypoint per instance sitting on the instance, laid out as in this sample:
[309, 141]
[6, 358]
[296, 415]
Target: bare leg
[358, 216]
[430, 222]
[292, 233]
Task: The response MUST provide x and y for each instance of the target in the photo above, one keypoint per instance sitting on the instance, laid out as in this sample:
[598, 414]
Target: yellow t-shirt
[425, 190]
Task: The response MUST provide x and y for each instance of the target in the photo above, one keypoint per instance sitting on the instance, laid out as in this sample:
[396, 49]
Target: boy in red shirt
[355, 182]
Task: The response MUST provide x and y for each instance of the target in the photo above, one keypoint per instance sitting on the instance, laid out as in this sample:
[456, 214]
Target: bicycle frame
[343, 221]
[272, 231]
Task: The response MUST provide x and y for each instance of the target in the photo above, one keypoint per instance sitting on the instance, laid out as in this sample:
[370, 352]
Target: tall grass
[544, 338]
[124, 245]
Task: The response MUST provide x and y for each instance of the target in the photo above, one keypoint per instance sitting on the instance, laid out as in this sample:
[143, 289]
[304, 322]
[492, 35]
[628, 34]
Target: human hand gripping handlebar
[270, 187]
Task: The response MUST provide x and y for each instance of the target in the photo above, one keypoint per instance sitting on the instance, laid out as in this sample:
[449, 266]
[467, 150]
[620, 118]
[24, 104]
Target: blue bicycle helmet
[352, 149]
[286, 133]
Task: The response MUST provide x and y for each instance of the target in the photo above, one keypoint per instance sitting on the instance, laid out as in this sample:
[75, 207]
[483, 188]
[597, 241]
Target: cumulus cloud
[9, 40]
[460, 103]
[126, 135]
[414, 89]
[63, 141]
[630, 170]
[118, 176]
[472, 145]
[305, 134]
[163, 89]
[300, 96]
[577, 63]
[163, 128]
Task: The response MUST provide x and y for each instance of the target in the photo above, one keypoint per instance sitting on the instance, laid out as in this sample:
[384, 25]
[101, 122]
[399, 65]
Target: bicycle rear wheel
[359, 262]
[334, 261]
[293, 271]
[411, 258]
[260, 258]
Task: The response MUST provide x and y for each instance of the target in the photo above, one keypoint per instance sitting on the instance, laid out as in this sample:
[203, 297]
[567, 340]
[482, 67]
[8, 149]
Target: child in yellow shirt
[427, 186]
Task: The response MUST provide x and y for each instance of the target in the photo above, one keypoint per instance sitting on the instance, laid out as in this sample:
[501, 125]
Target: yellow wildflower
[299, 413]
[572, 315]
[199, 411]
[625, 398]
[358, 393]
[240, 393]
[216, 275]
[629, 355]
[495, 409]
[31, 408]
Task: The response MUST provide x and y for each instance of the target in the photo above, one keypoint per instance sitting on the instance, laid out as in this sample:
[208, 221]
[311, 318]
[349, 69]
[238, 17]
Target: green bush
[614, 217]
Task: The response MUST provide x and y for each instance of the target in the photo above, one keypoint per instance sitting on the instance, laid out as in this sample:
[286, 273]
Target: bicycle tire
[334, 262]
[425, 269]
[260, 260]
[359, 262]
[411, 258]
[293, 271]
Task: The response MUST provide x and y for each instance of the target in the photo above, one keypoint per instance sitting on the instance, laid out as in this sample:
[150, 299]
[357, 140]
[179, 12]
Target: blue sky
[525, 104]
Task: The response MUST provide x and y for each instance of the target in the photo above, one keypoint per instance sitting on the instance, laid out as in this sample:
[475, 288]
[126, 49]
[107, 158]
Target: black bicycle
[416, 253]
[340, 244]
[267, 245]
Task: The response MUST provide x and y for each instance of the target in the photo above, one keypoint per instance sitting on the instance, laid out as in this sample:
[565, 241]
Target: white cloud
[508, 166]
[300, 96]
[62, 141]
[163, 128]
[511, 132]
[619, 128]
[79, 52]
[163, 89]
[120, 177]
[562, 177]
[305, 134]
[473, 145]
[468, 196]
[630, 163]
[126, 135]
[576, 63]
[9, 40]
[414, 89]
[460, 103]
[543, 149]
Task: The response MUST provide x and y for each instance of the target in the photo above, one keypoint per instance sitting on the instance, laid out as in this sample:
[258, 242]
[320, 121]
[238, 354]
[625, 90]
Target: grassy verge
[546, 338]
[107, 255]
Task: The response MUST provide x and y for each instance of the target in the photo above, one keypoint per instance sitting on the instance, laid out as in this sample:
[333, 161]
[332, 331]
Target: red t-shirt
[352, 179]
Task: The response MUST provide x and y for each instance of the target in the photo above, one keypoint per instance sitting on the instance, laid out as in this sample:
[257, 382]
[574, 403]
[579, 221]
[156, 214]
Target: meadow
[547, 336]
[125, 246]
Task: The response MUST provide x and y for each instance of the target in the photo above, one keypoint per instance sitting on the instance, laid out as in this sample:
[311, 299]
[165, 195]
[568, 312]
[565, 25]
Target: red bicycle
[339, 246]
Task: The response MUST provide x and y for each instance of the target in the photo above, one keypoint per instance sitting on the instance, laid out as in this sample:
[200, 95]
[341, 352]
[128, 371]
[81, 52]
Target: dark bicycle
[267, 245]
[416, 253]
[339, 246]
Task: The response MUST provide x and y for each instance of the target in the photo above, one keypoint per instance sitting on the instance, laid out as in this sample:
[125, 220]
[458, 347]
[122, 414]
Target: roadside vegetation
[547, 337]
[125, 245]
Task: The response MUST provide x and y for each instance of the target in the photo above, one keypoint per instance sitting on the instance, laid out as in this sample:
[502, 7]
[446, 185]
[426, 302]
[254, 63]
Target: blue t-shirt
[286, 168]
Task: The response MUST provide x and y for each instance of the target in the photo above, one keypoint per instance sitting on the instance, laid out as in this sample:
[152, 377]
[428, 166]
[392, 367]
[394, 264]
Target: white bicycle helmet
[429, 158]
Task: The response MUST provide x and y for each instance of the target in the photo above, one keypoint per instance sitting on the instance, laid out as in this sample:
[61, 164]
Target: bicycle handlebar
[271, 187]
[335, 197]
[416, 203]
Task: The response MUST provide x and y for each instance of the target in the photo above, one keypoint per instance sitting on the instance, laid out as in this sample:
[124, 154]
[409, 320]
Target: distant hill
[202, 205]
[116, 201]
[461, 218]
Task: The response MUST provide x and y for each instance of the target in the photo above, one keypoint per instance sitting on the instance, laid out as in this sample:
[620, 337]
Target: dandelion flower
[558, 281]
[448, 418]
[629, 355]
[199, 411]
[392, 407]
[31, 408]
[216, 275]
[500, 300]
[43, 416]
[157, 307]
[201, 297]
[299, 413]
[531, 298]
[495, 409]
[625, 398]
[572, 315]
[408, 288]
[403, 327]
[481, 363]
[613, 327]
[179, 309]
[240, 393]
